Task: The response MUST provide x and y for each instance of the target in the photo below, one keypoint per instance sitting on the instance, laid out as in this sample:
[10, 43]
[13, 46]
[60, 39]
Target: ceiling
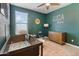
[42, 9]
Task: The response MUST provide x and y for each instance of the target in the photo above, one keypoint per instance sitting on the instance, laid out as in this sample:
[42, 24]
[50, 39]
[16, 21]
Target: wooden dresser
[58, 37]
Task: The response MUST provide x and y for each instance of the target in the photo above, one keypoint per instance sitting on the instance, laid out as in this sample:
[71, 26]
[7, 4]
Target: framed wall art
[37, 21]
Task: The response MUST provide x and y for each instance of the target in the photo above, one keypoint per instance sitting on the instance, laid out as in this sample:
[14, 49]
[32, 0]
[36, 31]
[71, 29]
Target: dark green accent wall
[70, 25]
[32, 15]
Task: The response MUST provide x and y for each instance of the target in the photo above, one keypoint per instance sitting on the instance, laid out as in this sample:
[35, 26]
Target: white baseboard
[72, 45]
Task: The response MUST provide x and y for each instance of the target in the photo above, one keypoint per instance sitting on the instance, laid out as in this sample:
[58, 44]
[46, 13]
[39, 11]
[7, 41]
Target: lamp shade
[46, 25]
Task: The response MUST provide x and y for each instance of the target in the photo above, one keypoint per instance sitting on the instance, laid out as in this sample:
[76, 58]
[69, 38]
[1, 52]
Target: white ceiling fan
[48, 5]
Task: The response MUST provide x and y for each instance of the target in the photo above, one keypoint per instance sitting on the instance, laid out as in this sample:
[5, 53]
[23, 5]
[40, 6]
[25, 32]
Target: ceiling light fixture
[47, 4]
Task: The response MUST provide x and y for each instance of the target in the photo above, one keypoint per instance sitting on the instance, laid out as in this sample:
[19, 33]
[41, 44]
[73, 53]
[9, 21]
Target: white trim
[72, 45]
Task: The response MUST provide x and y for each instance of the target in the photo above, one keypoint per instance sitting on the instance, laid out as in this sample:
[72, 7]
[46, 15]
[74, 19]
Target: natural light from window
[21, 22]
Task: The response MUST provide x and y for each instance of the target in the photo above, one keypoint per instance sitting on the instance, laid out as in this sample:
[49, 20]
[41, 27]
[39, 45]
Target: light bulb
[47, 4]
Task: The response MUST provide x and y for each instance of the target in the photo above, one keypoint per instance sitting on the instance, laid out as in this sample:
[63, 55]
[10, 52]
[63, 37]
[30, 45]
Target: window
[21, 22]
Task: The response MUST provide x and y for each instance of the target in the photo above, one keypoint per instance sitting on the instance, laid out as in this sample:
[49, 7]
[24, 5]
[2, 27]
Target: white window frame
[21, 23]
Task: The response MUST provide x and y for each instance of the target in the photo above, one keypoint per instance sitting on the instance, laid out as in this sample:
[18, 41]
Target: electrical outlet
[72, 40]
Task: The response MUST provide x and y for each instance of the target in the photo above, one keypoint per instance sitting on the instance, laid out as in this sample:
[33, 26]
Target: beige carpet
[54, 49]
